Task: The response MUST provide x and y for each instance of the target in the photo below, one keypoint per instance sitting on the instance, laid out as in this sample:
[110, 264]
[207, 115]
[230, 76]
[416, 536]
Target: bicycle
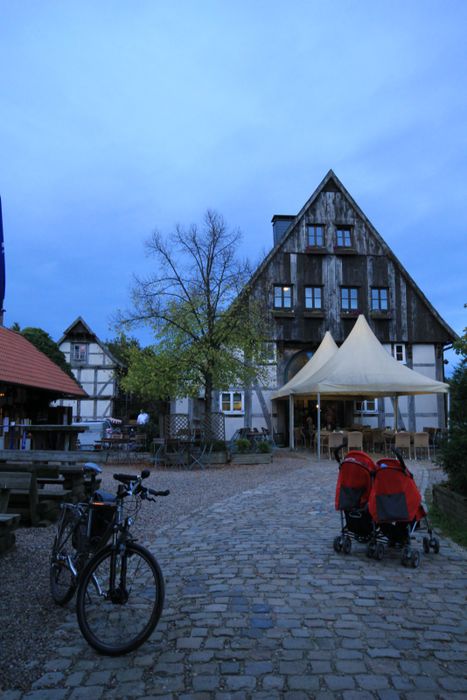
[118, 582]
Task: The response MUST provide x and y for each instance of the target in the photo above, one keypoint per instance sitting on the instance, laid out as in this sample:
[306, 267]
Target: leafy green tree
[453, 456]
[43, 342]
[208, 333]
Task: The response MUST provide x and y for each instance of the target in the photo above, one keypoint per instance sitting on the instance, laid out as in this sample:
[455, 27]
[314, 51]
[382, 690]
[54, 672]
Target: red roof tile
[22, 363]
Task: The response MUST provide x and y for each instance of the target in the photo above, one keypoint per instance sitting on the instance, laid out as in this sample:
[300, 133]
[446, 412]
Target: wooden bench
[23, 498]
[54, 456]
[8, 521]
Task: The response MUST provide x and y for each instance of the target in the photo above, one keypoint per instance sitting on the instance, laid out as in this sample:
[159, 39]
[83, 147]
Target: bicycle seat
[103, 497]
[92, 467]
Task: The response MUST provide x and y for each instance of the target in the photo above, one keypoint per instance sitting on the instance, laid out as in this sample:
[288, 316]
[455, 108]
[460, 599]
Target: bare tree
[208, 332]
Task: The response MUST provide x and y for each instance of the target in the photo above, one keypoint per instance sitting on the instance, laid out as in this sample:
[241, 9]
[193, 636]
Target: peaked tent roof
[23, 364]
[326, 350]
[362, 367]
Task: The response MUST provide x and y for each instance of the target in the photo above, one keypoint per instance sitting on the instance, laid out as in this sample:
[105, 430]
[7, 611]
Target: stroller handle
[400, 458]
[337, 451]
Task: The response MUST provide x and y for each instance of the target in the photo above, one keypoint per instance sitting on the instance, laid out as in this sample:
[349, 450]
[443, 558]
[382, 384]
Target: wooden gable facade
[328, 265]
[94, 367]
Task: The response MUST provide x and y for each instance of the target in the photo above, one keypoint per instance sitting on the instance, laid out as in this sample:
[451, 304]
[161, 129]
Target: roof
[363, 367]
[80, 323]
[332, 182]
[23, 364]
[326, 350]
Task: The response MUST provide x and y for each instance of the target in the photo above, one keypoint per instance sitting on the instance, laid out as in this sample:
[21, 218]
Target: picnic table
[37, 489]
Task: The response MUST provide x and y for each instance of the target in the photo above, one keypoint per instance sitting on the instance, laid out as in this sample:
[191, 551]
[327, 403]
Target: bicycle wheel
[117, 619]
[62, 580]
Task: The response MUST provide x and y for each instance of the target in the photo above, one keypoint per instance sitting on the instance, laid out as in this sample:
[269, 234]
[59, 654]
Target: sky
[119, 118]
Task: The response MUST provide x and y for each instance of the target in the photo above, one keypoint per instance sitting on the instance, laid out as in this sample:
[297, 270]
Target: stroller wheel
[347, 546]
[426, 545]
[338, 543]
[415, 559]
[379, 552]
[434, 542]
[406, 556]
[370, 550]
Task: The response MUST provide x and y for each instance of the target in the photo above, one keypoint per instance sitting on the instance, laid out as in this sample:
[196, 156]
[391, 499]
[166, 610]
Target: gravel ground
[28, 616]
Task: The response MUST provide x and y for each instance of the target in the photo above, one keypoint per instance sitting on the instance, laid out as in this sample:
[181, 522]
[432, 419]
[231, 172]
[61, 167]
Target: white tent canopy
[326, 350]
[362, 367]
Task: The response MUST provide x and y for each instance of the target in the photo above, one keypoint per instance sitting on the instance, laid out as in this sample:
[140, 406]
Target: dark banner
[2, 262]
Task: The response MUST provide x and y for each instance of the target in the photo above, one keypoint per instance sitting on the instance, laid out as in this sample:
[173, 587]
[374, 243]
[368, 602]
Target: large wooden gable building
[328, 265]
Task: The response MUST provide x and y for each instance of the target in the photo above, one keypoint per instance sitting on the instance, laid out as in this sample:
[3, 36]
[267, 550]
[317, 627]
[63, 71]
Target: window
[344, 237]
[79, 352]
[269, 350]
[315, 235]
[368, 406]
[349, 298]
[282, 297]
[398, 352]
[313, 298]
[231, 402]
[379, 298]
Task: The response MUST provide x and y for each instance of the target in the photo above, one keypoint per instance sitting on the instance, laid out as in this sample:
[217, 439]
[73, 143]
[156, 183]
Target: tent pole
[396, 412]
[448, 421]
[318, 420]
[291, 423]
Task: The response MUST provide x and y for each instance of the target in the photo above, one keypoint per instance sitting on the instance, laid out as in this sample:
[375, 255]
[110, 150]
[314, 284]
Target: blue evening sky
[120, 117]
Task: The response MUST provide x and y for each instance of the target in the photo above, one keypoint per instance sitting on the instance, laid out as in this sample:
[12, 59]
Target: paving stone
[93, 692]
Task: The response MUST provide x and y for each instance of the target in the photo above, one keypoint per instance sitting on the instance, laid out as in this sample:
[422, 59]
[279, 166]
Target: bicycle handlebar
[158, 493]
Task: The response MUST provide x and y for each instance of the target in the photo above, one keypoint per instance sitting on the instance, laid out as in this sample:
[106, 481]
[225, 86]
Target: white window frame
[232, 411]
[402, 351]
[365, 409]
[78, 357]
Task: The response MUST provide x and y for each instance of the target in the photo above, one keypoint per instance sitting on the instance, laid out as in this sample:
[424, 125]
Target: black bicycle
[119, 584]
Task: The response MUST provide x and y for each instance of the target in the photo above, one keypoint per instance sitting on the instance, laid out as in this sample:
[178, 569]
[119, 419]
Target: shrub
[243, 445]
[264, 446]
[218, 446]
[453, 453]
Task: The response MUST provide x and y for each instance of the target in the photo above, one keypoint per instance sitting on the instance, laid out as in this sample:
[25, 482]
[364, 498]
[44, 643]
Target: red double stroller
[380, 505]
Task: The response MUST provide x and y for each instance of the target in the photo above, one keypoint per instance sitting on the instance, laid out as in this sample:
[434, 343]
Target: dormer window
[315, 235]
[282, 296]
[344, 237]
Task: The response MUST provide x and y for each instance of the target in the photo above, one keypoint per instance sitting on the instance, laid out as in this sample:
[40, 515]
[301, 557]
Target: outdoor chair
[402, 443]
[377, 440]
[334, 440]
[421, 443]
[324, 442]
[299, 437]
[354, 440]
[159, 455]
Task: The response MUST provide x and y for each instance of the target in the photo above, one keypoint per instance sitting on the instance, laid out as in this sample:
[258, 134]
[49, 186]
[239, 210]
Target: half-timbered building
[328, 265]
[94, 367]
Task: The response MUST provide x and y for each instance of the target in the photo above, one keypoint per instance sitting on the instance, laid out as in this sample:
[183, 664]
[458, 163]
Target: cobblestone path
[258, 605]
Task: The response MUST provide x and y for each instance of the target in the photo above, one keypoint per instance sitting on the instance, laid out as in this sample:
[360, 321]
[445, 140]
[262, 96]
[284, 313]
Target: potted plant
[251, 452]
[217, 453]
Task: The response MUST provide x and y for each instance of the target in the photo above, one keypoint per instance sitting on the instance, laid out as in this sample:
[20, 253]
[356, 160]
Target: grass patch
[445, 524]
